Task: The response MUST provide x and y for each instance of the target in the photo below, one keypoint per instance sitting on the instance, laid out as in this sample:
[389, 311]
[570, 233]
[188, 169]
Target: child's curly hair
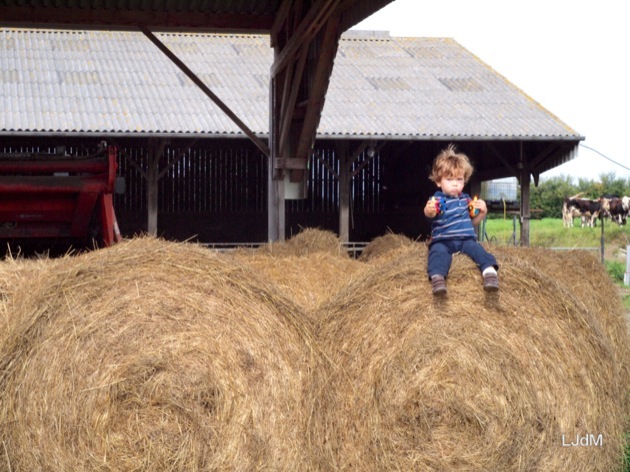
[449, 162]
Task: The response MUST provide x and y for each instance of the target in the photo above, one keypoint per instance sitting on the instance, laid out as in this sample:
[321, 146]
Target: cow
[568, 213]
[618, 209]
[588, 210]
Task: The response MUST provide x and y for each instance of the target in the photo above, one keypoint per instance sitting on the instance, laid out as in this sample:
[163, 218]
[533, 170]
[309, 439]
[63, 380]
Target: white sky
[570, 56]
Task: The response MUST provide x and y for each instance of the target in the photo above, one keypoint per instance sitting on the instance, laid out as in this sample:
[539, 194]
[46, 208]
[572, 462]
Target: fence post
[626, 276]
[602, 239]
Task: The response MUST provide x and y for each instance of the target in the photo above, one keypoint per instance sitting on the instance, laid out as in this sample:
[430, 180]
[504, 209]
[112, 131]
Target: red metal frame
[44, 197]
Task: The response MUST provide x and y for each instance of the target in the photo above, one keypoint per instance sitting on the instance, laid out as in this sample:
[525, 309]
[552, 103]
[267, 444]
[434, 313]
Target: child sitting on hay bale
[453, 216]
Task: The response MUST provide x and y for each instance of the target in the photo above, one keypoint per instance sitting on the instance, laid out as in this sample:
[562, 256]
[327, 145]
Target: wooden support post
[525, 204]
[275, 177]
[156, 148]
[344, 182]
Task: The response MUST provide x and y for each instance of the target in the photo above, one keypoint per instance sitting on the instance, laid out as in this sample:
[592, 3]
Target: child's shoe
[491, 282]
[438, 284]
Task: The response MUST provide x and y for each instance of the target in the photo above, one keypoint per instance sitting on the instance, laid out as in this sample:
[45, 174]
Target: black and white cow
[588, 210]
[618, 209]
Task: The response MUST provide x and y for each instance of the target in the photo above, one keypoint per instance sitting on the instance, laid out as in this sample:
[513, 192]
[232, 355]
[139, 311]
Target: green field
[549, 233]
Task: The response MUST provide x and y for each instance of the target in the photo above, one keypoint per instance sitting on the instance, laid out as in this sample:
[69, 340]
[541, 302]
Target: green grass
[549, 232]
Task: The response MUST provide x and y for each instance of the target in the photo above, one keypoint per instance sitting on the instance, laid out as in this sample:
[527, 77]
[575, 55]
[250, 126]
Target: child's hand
[481, 206]
[430, 209]
[483, 209]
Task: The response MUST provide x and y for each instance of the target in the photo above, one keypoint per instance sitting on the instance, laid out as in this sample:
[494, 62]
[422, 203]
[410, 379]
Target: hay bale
[475, 381]
[14, 272]
[308, 241]
[580, 269]
[308, 280]
[387, 246]
[154, 356]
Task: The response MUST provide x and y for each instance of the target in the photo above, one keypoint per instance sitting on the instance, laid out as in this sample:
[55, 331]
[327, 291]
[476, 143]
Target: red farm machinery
[58, 200]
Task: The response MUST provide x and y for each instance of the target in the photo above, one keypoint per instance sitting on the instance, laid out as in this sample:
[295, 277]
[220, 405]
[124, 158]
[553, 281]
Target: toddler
[453, 215]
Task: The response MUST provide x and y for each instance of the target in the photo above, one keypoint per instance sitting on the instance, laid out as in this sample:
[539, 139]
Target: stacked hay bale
[154, 356]
[166, 356]
[386, 246]
[308, 241]
[475, 381]
[308, 268]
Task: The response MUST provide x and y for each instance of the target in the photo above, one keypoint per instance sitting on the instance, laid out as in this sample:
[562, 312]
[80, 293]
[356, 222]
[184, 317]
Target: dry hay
[307, 280]
[387, 246]
[154, 356]
[475, 381]
[308, 241]
[14, 272]
[165, 356]
[582, 271]
[308, 268]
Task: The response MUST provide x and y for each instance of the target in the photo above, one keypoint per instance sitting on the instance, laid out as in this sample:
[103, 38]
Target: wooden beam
[494, 151]
[525, 196]
[344, 180]
[328, 167]
[317, 94]
[369, 159]
[291, 163]
[345, 196]
[288, 106]
[318, 14]
[281, 17]
[205, 89]
[544, 155]
[177, 158]
[353, 11]
[132, 20]
[156, 149]
[123, 153]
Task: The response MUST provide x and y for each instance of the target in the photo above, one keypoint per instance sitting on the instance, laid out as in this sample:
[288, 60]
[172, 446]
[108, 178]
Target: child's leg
[479, 255]
[440, 257]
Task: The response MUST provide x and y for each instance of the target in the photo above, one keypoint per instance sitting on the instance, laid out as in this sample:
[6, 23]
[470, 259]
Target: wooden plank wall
[217, 192]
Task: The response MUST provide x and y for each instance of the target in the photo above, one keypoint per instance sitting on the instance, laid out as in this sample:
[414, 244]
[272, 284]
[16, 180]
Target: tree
[550, 194]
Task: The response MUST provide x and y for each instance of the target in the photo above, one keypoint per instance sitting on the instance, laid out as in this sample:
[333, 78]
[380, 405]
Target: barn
[226, 122]
[206, 150]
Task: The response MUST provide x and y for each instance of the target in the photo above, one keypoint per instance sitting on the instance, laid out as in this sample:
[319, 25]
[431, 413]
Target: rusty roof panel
[55, 81]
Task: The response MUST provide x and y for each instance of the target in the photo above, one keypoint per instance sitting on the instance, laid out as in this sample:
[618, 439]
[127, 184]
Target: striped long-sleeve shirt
[455, 222]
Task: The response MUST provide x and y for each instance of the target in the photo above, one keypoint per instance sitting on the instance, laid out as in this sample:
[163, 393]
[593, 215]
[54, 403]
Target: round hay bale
[155, 356]
[307, 241]
[474, 381]
[581, 269]
[307, 280]
[14, 272]
[387, 246]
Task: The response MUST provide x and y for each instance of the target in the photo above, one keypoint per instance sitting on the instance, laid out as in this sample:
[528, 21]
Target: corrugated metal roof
[56, 81]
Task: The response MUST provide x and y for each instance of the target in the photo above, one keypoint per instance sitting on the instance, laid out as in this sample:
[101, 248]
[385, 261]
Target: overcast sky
[570, 56]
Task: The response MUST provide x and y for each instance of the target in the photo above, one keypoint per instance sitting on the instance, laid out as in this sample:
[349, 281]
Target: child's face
[452, 185]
